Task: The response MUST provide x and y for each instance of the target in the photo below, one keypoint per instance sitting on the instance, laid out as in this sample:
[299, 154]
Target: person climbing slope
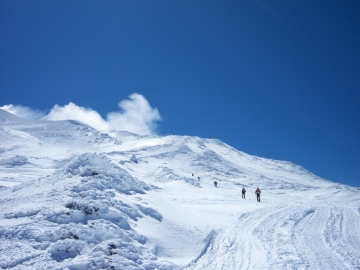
[215, 184]
[257, 192]
[243, 192]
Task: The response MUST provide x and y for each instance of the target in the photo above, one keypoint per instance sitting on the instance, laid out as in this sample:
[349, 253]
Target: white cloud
[135, 115]
[73, 112]
[22, 111]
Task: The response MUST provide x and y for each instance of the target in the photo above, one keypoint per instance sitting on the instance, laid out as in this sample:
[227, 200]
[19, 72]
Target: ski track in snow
[286, 238]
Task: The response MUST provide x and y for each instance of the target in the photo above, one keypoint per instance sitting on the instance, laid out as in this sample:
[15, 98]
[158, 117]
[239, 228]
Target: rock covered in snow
[15, 161]
[134, 159]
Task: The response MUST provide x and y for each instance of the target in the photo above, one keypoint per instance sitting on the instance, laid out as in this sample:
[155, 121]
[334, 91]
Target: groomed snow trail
[286, 238]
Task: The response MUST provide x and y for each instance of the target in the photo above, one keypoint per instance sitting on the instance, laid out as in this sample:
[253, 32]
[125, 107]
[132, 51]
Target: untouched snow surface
[75, 198]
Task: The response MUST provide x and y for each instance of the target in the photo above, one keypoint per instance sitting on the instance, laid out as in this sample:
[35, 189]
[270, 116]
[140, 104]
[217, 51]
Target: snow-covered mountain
[75, 198]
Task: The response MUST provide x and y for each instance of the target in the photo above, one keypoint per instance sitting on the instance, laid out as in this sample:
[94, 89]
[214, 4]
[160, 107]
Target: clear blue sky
[277, 79]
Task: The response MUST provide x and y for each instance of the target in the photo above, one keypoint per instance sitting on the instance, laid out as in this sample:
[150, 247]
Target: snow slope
[75, 198]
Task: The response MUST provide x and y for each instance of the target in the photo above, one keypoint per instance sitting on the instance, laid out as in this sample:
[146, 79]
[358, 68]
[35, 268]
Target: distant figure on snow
[257, 192]
[243, 192]
[215, 184]
[199, 178]
[192, 174]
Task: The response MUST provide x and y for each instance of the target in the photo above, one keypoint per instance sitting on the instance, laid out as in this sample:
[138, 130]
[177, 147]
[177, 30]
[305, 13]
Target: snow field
[75, 198]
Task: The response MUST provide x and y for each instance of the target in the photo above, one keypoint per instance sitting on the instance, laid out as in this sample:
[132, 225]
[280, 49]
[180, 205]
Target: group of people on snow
[257, 192]
[243, 191]
[198, 177]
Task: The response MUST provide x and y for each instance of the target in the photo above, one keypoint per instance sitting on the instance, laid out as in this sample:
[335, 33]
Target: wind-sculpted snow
[75, 198]
[77, 218]
[106, 175]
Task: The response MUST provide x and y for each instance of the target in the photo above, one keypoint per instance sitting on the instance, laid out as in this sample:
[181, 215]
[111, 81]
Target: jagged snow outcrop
[79, 218]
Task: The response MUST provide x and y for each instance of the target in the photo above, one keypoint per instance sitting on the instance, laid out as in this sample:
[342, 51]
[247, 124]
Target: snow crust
[75, 198]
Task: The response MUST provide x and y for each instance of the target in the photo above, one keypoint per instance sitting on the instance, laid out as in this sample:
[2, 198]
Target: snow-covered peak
[9, 118]
[75, 198]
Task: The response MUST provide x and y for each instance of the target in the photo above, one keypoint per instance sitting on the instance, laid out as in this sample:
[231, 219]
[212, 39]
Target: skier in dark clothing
[243, 192]
[257, 192]
[215, 184]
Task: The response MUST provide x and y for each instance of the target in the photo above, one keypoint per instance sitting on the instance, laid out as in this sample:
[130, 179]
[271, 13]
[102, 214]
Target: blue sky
[277, 79]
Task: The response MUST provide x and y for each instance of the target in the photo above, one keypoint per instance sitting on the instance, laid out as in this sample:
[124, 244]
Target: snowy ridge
[75, 198]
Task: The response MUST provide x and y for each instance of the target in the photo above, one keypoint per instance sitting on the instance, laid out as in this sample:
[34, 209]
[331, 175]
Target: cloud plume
[135, 115]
